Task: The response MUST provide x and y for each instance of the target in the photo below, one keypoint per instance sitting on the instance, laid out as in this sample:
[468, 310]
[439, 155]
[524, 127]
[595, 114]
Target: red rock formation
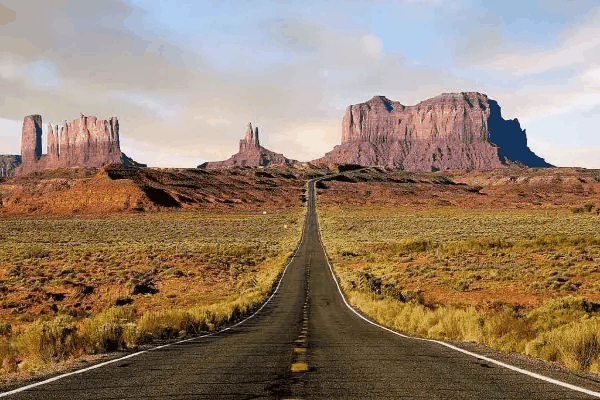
[459, 131]
[8, 164]
[251, 154]
[83, 142]
[31, 141]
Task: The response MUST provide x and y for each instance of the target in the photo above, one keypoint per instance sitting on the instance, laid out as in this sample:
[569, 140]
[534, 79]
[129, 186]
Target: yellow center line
[299, 367]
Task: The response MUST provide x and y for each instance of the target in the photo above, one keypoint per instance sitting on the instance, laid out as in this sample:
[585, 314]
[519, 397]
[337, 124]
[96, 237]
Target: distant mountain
[251, 154]
[453, 131]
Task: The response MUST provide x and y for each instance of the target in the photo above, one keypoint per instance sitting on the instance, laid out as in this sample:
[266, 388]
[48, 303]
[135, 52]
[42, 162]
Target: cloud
[372, 45]
[592, 112]
[213, 121]
[575, 47]
[159, 155]
[10, 138]
[157, 106]
[579, 156]
[43, 74]
[592, 77]
[7, 15]
[309, 139]
[296, 35]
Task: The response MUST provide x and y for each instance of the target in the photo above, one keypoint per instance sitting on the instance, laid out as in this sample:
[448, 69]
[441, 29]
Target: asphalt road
[304, 344]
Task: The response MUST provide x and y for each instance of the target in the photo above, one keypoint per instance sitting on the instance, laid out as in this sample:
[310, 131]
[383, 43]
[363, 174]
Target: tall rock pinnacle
[31, 140]
[251, 154]
[250, 141]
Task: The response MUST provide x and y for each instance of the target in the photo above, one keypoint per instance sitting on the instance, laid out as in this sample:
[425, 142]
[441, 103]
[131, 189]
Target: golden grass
[62, 280]
[518, 281]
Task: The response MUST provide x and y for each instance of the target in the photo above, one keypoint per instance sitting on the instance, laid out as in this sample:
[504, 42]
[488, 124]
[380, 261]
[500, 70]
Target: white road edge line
[80, 371]
[491, 360]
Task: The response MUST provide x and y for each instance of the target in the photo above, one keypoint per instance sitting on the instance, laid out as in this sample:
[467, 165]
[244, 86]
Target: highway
[305, 343]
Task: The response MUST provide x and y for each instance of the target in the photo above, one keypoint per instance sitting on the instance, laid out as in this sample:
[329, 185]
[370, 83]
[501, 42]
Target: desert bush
[556, 312]
[5, 328]
[170, 323]
[8, 356]
[105, 331]
[477, 244]
[123, 300]
[36, 252]
[576, 345]
[411, 245]
[47, 341]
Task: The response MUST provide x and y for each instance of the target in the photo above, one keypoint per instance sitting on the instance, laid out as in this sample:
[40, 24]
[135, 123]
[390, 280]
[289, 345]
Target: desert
[315, 200]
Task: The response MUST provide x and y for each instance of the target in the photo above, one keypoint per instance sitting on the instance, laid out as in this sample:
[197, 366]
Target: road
[304, 344]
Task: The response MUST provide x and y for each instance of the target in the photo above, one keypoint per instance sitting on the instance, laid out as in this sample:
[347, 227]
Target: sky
[185, 77]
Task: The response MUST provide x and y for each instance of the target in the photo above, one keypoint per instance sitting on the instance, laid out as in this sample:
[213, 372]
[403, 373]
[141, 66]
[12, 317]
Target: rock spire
[250, 141]
[251, 154]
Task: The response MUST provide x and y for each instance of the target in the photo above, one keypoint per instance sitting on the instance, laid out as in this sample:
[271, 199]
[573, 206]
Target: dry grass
[72, 287]
[518, 280]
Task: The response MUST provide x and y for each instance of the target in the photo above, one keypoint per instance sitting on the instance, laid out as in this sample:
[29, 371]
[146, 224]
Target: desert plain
[99, 260]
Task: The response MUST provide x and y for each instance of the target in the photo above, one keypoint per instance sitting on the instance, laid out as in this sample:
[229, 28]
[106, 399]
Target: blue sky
[184, 77]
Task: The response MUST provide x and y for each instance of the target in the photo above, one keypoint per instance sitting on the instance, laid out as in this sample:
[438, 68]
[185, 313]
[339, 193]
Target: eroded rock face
[83, 142]
[453, 131]
[8, 164]
[251, 154]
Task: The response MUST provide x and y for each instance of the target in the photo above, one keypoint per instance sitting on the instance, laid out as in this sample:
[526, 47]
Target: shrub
[105, 331]
[588, 207]
[5, 328]
[168, 324]
[8, 357]
[577, 345]
[413, 245]
[36, 252]
[48, 341]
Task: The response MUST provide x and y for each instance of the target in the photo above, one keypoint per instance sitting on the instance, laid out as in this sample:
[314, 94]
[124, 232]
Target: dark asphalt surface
[306, 327]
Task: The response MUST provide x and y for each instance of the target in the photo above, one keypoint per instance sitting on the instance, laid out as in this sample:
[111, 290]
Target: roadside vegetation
[71, 288]
[525, 281]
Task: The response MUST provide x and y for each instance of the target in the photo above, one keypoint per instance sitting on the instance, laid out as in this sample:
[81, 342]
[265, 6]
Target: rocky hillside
[570, 189]
[453, 131]
[117, 189]
[251, 154]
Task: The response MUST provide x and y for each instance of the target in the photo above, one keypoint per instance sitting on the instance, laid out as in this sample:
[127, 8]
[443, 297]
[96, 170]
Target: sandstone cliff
[84, 142]
[251, 154]
[8, 164]
[453, 131]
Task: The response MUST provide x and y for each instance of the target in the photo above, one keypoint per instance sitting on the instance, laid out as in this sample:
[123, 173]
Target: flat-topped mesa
[84, 142]
[251, 154]
[459, 131]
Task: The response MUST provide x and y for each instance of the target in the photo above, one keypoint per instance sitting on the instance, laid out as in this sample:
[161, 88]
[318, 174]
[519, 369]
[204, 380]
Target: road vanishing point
[307, 343]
